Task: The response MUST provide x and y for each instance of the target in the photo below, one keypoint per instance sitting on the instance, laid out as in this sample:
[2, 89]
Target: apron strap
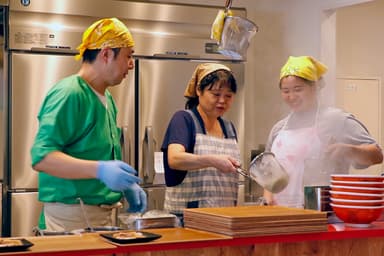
[229, 130]
[198, 127]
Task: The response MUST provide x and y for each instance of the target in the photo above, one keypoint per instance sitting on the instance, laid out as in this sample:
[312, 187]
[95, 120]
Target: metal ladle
[89, 227]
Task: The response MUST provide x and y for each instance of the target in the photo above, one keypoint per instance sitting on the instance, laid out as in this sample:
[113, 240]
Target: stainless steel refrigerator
[40, 72]
[40, 42]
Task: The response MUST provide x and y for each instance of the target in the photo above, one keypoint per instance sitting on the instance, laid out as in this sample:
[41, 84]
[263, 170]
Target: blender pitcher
[236, 36]
[233, 33]
[267, 172]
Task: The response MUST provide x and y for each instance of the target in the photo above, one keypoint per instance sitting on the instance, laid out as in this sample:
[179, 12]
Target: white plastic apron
[292, 148]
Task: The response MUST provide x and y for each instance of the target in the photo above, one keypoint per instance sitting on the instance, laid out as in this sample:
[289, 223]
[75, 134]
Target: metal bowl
[155, 222]
[151, 219]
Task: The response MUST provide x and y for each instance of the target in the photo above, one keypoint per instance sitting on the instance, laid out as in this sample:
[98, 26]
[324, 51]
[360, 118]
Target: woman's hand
[178, 159]
[224, 163]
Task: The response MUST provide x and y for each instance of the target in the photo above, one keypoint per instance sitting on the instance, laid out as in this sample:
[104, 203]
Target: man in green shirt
[77, 147]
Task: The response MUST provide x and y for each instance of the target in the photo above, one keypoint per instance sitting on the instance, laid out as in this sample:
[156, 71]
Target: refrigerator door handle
[125, 144]
[148, 155]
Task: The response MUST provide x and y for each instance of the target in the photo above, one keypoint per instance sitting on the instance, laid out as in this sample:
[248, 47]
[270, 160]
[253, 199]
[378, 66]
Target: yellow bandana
[109, 32]
[201, 71]
[303, 66]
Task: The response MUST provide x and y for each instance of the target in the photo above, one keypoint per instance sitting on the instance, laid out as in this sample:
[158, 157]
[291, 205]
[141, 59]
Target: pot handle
[243, 172]
[125, 145]
[149, 165]
[261, 156]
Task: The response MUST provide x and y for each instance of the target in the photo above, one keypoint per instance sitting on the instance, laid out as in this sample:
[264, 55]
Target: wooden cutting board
[255, 220]
[256, 212]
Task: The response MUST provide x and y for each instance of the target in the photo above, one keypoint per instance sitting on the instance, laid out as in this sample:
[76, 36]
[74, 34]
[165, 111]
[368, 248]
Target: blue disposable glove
[116, 175]
[137, 198]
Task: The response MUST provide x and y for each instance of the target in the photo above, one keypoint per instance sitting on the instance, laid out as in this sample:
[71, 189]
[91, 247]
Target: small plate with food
[130, 236]
[14, 244]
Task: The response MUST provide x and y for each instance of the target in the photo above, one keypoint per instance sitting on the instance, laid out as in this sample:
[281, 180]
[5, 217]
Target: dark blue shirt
[181, 130]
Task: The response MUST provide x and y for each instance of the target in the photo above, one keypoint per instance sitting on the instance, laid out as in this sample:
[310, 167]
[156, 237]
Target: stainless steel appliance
[40, 42]
[2, 117]
[317, 198]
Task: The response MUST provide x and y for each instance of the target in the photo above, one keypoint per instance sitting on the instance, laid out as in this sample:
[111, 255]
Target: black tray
[146, 237]
[13, 248]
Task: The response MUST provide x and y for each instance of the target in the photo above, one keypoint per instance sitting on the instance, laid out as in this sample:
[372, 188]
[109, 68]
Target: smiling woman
[313, 133]
[297, 94]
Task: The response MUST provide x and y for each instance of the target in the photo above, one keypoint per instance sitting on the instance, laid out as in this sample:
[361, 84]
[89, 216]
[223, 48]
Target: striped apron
[206, 187]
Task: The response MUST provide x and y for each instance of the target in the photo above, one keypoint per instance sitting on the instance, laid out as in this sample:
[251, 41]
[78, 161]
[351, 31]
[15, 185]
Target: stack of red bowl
[358, 200]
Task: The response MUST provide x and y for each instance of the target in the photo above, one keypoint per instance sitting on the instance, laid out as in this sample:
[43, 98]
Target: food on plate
[128, 235]
[9, 242]
[156, 214]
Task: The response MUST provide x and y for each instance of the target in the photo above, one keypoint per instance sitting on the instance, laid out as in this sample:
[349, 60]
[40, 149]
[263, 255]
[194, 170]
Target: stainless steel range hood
[52, 24]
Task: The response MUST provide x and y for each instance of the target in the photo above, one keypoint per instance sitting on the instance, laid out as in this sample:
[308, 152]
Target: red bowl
[358, 189]
[359, 177]
[357, 215]
[355, 196]
[371, 184]
[357, 202]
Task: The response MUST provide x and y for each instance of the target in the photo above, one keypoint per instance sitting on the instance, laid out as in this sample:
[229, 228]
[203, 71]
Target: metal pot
[317, 198]
[150, 219]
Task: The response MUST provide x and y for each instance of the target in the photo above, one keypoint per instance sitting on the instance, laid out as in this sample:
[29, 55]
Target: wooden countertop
[186, 239]
[49, 245]
[94, 244]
